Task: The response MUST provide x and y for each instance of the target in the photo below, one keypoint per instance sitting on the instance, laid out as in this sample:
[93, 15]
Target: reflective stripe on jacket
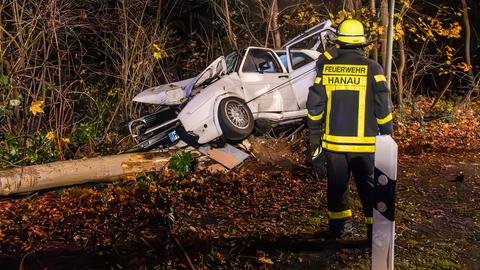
[349, 101]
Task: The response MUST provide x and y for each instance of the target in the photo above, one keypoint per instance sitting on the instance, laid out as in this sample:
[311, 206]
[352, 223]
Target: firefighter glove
[315, 139]
[318, 161]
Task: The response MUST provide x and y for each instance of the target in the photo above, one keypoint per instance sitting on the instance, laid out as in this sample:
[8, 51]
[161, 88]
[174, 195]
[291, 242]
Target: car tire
[235, 118]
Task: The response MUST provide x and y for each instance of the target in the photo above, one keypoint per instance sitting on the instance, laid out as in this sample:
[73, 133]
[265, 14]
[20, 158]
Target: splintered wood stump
[74, 172]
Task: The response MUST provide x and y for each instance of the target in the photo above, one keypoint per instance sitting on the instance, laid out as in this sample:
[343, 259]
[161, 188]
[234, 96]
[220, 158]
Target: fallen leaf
[265, 260]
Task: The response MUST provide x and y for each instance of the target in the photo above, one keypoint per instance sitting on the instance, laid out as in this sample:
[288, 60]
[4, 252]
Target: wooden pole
[74, 172]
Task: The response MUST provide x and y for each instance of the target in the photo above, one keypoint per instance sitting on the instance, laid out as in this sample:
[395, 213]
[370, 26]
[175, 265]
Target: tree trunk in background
[231, 36]
[358, 5]
[383, 37]
[348, 5]
[444, 90]
[400, 69]
[277, 41]
[352, 5]
[75, 172]
[374, 15]
[468, 59]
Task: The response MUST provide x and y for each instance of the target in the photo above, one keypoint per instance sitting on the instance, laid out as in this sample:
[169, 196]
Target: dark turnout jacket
[349, 102]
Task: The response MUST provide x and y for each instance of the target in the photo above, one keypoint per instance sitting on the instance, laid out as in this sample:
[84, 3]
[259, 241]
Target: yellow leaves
[313, 20]
[303, 16]
[50, 135]
[66, 141]
[398, 31]
[406, 3]
[36, 107]
[454, 68]
[342, 15]
[159, 53]
[464, 66]
[433, 27]
[449, 51]
[114, 91]
[381, 29]
[452, 31]
[265, 260]
[375, 28]
[450, 66]
[443, 71]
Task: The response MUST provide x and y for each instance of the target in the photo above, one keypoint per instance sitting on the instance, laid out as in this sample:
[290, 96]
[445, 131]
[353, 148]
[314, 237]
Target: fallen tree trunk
[74, 172]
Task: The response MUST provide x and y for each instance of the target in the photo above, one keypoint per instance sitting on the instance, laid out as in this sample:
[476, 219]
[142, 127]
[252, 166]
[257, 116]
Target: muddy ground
[437, 221]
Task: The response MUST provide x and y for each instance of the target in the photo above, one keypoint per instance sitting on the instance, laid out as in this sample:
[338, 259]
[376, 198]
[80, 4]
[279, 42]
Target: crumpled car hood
[176, 93]
[168, 94]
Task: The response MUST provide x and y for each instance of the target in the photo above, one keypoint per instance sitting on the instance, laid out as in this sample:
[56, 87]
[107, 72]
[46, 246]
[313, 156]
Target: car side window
[300, 59]
[261, 61]
[283, 58]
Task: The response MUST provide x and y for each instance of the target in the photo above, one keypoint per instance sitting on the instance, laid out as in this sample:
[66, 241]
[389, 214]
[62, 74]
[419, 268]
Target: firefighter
[348, 105]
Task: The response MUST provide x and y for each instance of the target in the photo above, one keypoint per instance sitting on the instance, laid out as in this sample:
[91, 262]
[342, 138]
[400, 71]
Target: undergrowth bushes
[71, 68]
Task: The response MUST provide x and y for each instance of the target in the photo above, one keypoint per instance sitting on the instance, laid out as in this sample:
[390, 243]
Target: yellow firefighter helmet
[351, 32]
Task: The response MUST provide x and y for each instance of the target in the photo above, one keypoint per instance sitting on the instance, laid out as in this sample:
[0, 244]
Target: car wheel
[235, 118]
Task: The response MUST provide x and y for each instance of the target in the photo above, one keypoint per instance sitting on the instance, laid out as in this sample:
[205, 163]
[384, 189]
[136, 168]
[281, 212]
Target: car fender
[200, 115]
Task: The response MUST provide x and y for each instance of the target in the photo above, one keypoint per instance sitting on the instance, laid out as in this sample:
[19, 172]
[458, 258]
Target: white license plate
[173, 136]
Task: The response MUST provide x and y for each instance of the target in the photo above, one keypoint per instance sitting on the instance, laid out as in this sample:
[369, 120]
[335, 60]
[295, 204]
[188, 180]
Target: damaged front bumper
[161, 129]
[156, 129]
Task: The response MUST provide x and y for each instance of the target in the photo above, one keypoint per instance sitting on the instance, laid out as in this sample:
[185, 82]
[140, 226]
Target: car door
[266, 82]
[302, 53]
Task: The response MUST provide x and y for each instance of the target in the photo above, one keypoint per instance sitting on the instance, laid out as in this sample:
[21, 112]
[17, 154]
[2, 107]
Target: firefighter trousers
[339, 168]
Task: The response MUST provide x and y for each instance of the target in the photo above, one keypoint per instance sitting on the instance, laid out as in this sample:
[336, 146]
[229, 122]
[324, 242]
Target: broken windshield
[233, 61]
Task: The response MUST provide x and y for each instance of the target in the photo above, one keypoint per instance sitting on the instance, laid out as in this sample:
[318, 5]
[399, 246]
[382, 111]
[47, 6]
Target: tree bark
[401, 69]
[74, 172]
[374, 16]
[277, 42]
[468, 59]
[444, 90]
[383, 37]
[231, 36]
[348, 5]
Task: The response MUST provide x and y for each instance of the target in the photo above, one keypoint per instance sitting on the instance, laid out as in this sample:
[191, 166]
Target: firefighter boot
[339, 227]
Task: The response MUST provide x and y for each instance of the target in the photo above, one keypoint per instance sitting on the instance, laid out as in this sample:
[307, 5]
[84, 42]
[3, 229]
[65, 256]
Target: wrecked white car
[226, 100]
